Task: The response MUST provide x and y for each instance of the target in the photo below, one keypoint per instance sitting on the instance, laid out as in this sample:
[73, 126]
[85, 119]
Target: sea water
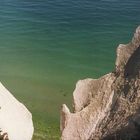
[46, 46]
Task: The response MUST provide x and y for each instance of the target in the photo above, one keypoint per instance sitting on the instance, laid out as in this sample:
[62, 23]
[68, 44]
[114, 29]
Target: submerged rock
[108, 108]
[15, 120]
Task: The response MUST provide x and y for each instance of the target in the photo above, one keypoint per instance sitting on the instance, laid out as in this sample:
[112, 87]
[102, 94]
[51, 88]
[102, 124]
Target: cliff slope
[15, 120]
[108, 107]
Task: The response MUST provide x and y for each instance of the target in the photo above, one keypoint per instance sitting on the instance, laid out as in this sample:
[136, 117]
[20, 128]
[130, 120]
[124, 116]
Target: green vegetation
[50, 133]
[46, 132]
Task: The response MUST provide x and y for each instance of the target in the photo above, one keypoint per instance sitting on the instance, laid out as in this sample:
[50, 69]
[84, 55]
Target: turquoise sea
[46, 46]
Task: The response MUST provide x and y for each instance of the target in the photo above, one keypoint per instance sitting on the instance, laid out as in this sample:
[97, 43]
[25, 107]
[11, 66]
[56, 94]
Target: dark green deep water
[47, 45]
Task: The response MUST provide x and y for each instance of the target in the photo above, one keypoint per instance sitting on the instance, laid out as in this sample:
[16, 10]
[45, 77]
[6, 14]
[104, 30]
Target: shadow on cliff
[132, 68]
[130, 132]
[131, 72]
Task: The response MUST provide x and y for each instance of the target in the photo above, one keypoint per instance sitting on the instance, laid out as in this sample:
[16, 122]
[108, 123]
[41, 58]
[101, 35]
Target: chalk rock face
[107, 108]
[15, 119]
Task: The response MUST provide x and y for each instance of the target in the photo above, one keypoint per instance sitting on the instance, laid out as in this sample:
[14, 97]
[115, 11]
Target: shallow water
[46, 46]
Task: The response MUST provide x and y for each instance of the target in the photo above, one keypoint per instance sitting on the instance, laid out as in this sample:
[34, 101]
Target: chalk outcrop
[107, 108]
[15, 120]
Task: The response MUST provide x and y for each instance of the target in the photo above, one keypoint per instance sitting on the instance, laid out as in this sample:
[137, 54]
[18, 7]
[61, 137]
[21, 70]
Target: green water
[47, 46]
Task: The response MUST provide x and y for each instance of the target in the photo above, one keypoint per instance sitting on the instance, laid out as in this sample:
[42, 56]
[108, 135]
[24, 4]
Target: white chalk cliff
[15, 119]
[108, 108]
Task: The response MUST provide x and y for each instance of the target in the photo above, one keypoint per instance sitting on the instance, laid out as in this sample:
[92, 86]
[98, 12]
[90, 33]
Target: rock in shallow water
[15, 119]
[108, 108]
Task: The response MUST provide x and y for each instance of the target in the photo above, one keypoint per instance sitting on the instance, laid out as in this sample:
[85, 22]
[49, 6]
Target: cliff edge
[107, 108]
[15, 119]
